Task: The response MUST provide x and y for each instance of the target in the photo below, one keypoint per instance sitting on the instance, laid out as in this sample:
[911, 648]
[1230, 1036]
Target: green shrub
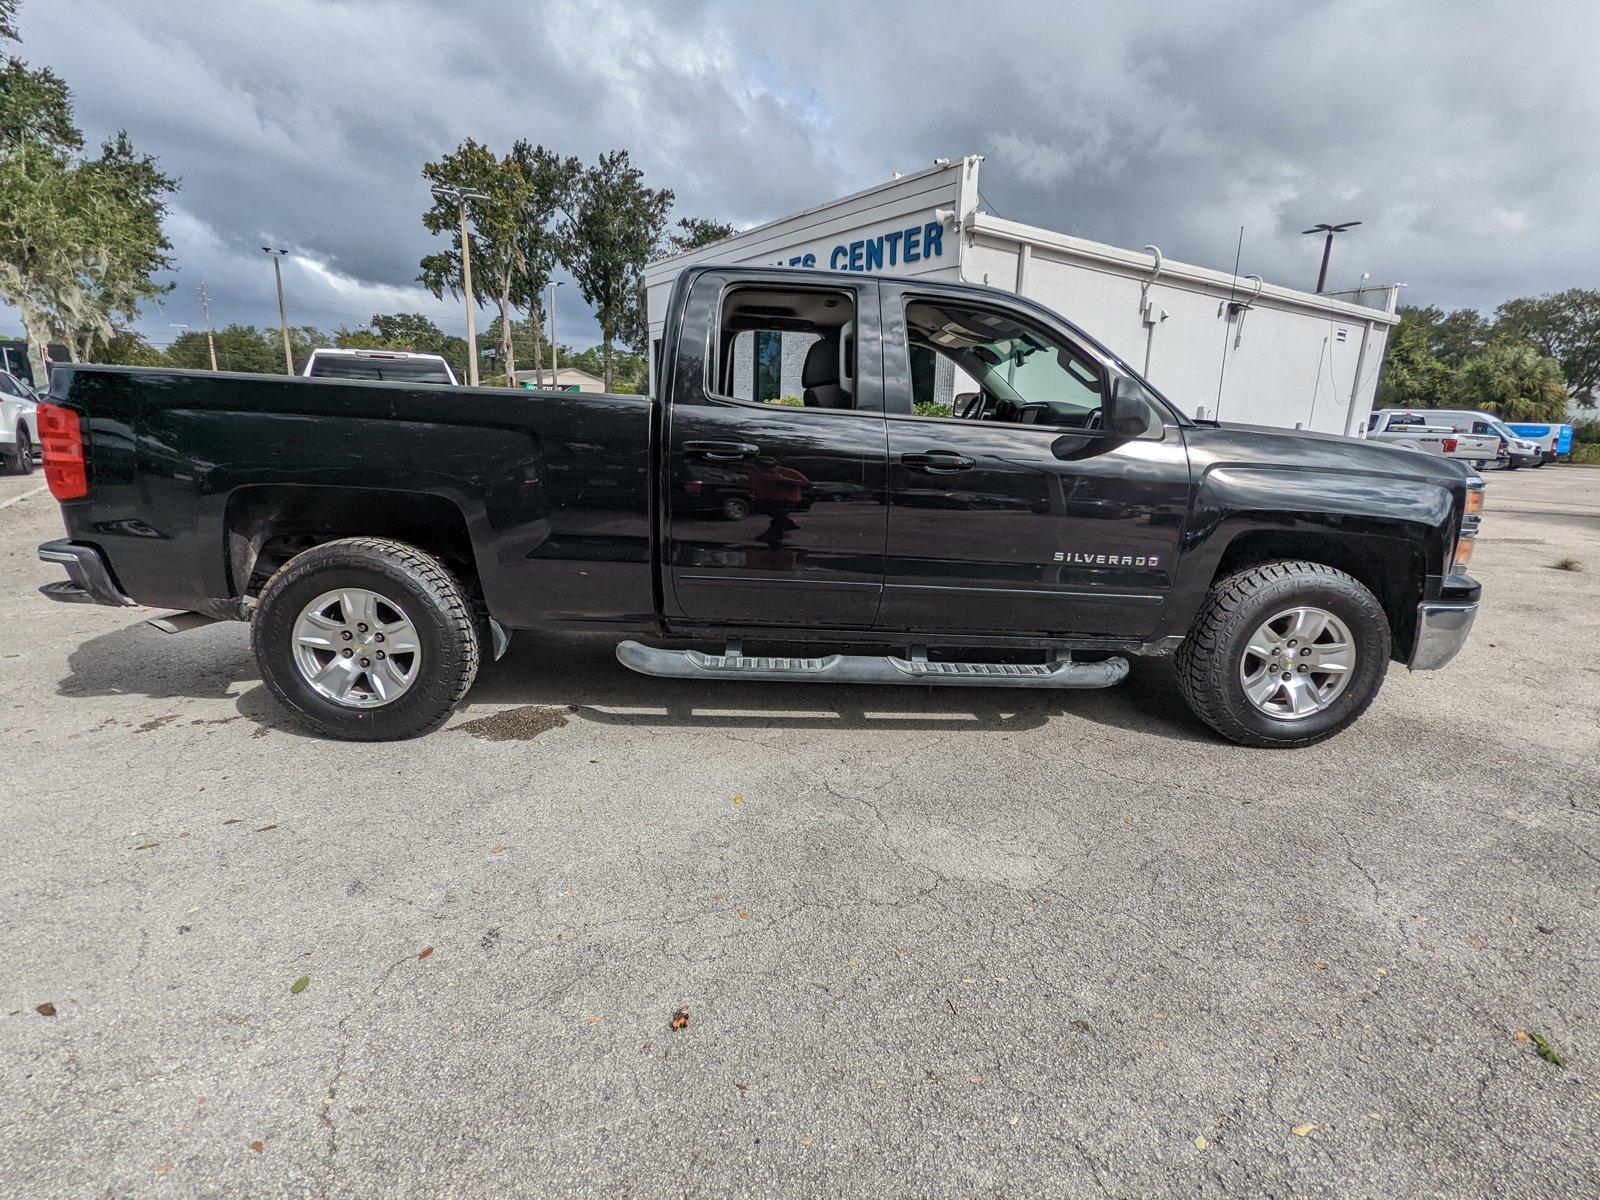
[1586, 431]
[1587, 455]
[930, 408]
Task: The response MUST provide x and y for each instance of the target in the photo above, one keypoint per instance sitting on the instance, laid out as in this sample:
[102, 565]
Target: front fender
[1232, 500]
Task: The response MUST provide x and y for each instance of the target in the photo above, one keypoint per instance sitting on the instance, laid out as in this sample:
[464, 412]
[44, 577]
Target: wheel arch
[1390, 565]
[265, 525]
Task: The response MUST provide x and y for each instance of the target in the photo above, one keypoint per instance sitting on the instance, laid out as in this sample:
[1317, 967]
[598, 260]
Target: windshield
[394, 370]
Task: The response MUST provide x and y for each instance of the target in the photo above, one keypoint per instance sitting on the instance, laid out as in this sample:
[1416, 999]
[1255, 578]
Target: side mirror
[1124, 412]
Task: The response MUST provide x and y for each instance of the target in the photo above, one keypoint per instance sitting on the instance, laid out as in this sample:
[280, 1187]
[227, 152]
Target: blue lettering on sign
[891, 249]
[892, 238]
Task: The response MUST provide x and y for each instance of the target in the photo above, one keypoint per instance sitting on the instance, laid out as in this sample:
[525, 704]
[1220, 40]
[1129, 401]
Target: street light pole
[1327, 246]
[555, 359]
[459, 197]
[283, 315]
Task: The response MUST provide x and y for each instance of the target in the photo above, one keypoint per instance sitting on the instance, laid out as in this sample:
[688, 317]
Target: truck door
[774, 471]
[1015, 506]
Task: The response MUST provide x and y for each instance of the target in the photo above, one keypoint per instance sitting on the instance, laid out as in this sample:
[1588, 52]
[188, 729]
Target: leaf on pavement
[148, 846]
[1200, 1143]
[595, 1020]
[1546, 1051]
[426, 951]
[45, 1010]
[299, 985]
[258, 1147]
[266, 829]
[738, 800]
[680, 1019]
[1521, 1035]
[1302, 1130]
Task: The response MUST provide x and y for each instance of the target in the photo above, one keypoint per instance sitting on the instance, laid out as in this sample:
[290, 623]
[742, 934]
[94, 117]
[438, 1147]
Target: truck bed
[549, 491]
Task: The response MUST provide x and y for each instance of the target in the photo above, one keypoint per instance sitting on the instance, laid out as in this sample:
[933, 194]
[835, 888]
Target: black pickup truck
[967, 491]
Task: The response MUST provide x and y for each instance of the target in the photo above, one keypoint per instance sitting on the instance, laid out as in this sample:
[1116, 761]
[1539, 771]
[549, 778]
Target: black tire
[24, 459]
[1512, 464]
[1208, 662]
[431, 597]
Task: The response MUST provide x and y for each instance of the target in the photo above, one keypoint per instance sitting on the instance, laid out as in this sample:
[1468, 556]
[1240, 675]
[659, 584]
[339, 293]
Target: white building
[1277, 356]
[568, 379]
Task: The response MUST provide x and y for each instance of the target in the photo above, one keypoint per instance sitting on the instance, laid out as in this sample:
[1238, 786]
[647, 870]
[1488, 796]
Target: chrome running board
[865, 668]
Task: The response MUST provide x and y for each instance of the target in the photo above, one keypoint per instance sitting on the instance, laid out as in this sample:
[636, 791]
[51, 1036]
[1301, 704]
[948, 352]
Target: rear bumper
[88, 578]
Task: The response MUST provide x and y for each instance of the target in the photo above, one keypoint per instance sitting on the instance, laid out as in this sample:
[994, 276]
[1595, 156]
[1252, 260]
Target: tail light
[61, 434]
[1450, 445]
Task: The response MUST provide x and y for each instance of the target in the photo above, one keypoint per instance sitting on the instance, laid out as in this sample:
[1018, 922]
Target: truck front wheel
[366, 639]
[1284, 654]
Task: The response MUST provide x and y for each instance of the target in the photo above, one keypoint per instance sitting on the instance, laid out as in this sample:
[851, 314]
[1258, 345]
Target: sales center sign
[897, 247]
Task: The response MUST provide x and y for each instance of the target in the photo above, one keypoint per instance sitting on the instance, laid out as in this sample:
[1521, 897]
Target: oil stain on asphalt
[515, 724]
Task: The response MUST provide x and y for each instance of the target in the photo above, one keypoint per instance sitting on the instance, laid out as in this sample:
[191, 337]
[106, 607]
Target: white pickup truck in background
[1411, 431]
[396, 366]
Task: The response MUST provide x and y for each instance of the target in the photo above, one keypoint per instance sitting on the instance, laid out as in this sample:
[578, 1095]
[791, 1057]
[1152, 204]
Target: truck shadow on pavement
[581, 675]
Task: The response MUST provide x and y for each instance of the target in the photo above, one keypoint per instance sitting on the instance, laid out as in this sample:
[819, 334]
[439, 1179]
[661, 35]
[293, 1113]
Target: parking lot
[949, 942]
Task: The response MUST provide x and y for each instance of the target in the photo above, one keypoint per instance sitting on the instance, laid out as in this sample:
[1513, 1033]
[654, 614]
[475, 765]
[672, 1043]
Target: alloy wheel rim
[356, 648]
[1297, 663]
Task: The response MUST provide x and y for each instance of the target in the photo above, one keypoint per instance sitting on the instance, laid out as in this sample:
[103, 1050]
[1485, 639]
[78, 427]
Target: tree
[612, 230]
[128, 348]
[1564, 326]
[1510, 377]
[694, 232]
[540, 244]
[1452, 337]
[514, 243]
[8, 16]
[1413, 377]
[80, 238]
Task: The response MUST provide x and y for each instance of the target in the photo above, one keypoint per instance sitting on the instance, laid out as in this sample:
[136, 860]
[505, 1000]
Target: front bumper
[1442, 628]
[89, 579]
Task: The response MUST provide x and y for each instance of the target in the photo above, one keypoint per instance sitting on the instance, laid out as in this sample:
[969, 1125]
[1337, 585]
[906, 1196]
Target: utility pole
[283, 315]
[211, 337]
[459, 197]
[1327, 246]
[555, 357]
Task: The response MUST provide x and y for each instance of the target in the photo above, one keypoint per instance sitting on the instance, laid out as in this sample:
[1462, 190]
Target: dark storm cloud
[1460, 133]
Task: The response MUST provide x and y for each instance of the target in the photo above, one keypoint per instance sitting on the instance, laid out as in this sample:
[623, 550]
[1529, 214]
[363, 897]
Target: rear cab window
[791, 347]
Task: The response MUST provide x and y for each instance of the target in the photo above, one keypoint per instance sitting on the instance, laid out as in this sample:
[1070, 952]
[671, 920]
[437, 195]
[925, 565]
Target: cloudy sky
[1461, 133]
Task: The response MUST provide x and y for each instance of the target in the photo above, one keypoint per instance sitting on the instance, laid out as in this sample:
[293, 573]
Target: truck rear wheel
[366, 639]
[1284, 654]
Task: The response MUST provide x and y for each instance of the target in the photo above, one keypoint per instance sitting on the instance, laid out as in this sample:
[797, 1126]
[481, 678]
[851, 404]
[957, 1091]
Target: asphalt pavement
[608, 935]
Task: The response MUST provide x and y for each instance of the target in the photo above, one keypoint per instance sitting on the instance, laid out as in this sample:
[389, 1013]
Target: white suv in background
[19, 425]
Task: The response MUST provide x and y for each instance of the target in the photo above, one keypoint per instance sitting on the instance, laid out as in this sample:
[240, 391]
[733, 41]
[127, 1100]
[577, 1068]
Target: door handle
[937, 462]
[721, 451]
